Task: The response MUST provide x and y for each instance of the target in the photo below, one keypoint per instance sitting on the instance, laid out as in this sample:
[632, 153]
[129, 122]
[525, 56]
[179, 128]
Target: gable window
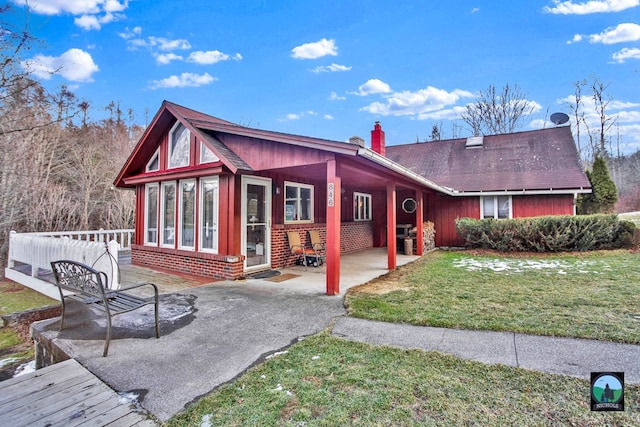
[151, 217]
[298, 202]
[209, 214]
[168, 214]
[361, 207]
[179, 146]
[498, 207]
[154, 163]
[206, 155]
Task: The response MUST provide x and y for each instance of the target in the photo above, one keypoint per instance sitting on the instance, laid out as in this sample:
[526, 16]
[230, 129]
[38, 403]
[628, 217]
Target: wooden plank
[65, 394]
[40, 386]
[42, 402]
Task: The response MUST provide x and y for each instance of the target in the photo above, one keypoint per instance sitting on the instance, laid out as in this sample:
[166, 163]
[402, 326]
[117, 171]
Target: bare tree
[605, 122]
[577, 111]
[496, 112]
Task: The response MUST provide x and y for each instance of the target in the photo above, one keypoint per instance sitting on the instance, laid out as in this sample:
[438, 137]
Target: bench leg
[106, 342]
[157, 324]
[62, 316]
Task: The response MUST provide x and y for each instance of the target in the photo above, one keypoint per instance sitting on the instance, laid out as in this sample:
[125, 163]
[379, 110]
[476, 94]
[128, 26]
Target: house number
[331, 194]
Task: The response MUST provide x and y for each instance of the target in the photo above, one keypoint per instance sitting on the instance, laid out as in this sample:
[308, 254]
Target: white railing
[98, 248]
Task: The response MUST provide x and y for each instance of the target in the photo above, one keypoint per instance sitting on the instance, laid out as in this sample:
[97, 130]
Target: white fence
[97, 248]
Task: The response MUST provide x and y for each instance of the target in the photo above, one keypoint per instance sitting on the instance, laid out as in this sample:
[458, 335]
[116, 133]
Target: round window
[409, 205]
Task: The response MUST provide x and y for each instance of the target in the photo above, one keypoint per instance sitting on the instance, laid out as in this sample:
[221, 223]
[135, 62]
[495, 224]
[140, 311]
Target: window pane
[169, 214]
[503, 207]
[188, 197]
[152, 215]
[206, 155]
[154, 163]
[488, 207]
[305, 204]
[291, 203]
[179, 147]
[209, 217]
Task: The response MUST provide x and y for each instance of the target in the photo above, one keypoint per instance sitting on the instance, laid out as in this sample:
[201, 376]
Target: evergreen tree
[604, 194]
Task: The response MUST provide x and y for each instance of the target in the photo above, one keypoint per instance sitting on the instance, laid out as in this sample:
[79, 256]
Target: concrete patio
[210, 332]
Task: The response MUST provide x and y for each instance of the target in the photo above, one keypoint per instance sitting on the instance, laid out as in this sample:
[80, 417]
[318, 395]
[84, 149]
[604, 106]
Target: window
[361, 207]
[187, 214]
[151, 218]
[179, 146]
[168, 214]
[209, 214]
[206, 155]
[154, 163]
[298, 202]
[498, 207]
[409, 205]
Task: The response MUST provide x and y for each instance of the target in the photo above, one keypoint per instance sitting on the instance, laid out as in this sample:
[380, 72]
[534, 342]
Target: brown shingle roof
[534, 160]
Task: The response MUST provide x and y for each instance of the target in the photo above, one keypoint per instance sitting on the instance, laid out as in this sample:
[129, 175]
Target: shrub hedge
[547, 233]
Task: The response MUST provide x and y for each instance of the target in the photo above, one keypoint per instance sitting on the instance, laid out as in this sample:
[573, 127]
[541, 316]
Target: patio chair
[297, 249]
[317, 244]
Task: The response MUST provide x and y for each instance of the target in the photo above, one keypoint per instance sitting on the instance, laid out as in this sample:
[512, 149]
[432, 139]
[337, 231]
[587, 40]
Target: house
[216, 199]
[514, 175]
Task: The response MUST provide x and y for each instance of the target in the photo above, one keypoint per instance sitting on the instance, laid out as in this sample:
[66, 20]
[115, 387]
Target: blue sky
[330, 69]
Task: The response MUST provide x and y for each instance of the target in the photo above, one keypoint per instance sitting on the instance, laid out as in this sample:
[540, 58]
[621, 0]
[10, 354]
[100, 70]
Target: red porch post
[419, 223]
[333, 229]
[391, 226]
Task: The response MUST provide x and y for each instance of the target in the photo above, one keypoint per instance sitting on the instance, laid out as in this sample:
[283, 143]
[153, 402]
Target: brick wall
[193, 263]
[354, 237]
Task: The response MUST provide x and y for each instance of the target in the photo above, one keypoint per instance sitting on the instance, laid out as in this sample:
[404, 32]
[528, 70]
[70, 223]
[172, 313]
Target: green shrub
[547, 233]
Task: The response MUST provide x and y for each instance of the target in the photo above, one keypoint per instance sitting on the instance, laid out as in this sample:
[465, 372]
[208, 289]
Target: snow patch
[520, 265]
[206, 420]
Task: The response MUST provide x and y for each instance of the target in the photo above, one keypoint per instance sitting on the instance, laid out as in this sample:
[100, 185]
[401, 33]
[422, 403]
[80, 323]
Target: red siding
[526, 206]
[443, 211]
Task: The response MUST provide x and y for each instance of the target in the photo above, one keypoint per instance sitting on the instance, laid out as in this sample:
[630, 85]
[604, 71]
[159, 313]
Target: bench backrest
[77, 277]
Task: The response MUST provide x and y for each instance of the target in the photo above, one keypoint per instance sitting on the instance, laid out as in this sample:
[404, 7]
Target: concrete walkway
[566, 356]
[213, 333]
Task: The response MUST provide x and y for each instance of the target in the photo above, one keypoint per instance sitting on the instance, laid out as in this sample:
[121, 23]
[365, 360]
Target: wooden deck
[65, 394]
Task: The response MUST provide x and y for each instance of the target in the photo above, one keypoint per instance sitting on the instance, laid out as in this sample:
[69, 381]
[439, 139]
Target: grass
[14, 347]
[15, 298]
[326, 381]
[589, 295]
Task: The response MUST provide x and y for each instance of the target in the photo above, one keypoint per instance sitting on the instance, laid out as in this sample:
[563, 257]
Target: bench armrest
[137, 285]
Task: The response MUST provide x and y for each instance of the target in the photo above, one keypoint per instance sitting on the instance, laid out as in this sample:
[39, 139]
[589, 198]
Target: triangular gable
[160, 125]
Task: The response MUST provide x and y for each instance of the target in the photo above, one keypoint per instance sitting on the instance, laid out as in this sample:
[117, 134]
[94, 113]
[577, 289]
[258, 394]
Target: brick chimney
[377, 139]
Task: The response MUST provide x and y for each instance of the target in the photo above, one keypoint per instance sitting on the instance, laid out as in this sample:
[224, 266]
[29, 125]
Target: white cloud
[626, 32]
[372, 86]
[475, 10]
[335, 97]
[211, 57]
[183, 80]
[87, 10]
[328, 117]
[592, 6]
[74, 65]
[626, 53]
[421, 104]
[159, 43]
[315, 50]
[94, 22]
[333, 68]
[131, 33]
[167, 58]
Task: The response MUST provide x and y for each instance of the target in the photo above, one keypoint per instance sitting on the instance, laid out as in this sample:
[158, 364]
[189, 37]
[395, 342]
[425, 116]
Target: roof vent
[474, 142]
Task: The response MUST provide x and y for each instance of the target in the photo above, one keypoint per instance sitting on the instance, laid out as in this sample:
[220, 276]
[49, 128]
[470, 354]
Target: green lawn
[588, 295]
[327, 381]
[15, 297]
